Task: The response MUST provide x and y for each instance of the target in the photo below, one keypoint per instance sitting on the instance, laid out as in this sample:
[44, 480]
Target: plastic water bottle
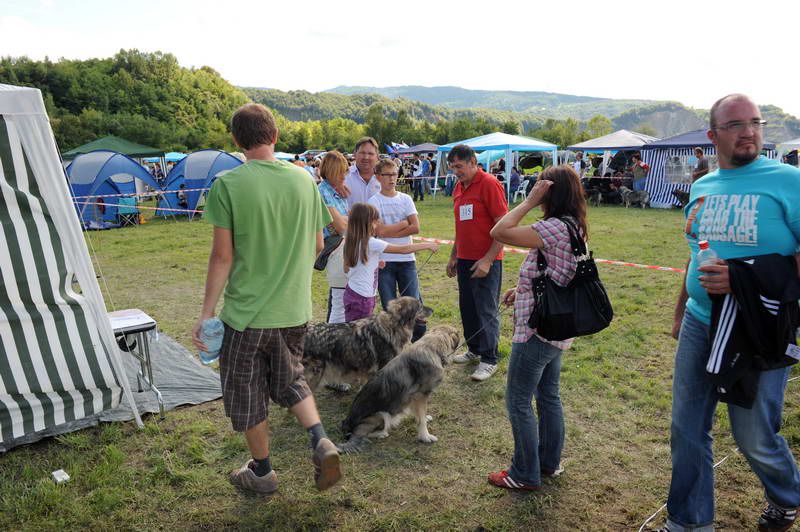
[706, 256]
[211, 334]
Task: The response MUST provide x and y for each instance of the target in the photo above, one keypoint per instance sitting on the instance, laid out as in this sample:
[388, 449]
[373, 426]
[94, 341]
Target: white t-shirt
[362, 278]
[393, 210]
[577, 166]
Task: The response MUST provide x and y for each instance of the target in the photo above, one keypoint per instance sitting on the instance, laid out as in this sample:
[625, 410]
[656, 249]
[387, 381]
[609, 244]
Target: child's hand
[381, 264]
[433, 247]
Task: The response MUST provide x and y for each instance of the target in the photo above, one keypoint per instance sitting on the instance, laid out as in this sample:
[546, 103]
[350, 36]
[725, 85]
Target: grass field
[615, 389]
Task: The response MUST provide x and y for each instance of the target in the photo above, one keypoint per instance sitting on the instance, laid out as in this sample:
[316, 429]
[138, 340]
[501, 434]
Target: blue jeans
[401, 276]
[534, 370]
[691, 494]
[478, 301]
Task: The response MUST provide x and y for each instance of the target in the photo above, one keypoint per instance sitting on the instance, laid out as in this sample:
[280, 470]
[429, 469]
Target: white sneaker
[466, 357]
[484, 371]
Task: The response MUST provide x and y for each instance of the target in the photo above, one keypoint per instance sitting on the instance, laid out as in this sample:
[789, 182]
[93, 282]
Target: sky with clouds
[689, 51]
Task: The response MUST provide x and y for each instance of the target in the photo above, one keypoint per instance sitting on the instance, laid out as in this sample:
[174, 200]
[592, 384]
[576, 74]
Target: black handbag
[578, 309]
[329, 246]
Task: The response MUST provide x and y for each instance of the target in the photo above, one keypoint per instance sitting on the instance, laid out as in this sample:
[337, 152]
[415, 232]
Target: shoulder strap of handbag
[577, 244]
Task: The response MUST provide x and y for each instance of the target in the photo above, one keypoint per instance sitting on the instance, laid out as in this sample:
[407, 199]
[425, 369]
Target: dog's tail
[353, 445]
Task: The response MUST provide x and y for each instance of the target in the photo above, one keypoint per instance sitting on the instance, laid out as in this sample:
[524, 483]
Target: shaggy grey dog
[404, 385]
[335, 352]
[634, 197]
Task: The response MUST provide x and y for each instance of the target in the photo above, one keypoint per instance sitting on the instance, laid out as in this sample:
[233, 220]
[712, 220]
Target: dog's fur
[403, 385]
[594, 196]
[634, 197]
[337, 352]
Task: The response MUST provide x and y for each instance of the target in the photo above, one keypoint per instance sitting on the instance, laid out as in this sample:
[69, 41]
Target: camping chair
[435, 187]
[523, 185]
[127, 212]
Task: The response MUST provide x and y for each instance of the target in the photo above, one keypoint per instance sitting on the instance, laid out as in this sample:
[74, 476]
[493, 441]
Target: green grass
[615, 389]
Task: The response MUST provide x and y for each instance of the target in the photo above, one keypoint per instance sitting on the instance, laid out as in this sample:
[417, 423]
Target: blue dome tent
[100, 173]
[196, 170]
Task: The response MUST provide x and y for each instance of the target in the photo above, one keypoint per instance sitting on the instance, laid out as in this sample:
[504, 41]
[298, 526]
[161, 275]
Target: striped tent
[59, 361]
[657, 153]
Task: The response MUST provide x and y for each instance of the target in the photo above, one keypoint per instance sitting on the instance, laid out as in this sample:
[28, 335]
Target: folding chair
[127, 212]
[435, 187]
[521, 190]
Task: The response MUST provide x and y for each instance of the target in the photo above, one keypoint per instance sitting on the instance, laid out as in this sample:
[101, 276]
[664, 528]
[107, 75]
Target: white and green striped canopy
[58, 358]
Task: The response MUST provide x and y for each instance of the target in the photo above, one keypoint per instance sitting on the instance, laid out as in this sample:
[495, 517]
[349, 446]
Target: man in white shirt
[579, 165]
[361, 180]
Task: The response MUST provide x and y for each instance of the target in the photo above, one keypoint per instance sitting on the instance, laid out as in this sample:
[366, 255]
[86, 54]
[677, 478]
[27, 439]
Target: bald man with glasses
[748, 208]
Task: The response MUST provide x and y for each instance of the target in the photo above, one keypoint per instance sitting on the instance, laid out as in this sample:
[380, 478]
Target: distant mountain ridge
[528, 108]
[544, 104]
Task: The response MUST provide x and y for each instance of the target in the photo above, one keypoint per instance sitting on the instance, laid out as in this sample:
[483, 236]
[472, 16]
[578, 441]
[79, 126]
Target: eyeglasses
[390, 175]
[738, 126]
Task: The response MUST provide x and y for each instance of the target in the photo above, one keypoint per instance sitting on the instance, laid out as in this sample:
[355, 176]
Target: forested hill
[544, 104]
[304, 105]
[149, 98]
[660, 119]
[145, 97]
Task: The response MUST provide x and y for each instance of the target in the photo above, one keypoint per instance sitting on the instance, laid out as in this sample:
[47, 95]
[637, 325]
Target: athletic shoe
[342, 387]
[466, 357]
[502, 480]
[775, 519]
[244, 478]
[326, 464]
[483, 371]
[552, 473]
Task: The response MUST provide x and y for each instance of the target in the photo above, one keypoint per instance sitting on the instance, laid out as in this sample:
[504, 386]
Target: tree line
[150, 99]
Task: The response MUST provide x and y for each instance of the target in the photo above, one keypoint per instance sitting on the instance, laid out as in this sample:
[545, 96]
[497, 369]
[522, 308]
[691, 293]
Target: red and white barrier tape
[603, 261]
[143, 194]
[117, 205]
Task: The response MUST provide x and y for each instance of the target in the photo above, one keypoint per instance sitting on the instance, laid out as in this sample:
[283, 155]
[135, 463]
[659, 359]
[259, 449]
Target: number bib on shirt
[465, 212]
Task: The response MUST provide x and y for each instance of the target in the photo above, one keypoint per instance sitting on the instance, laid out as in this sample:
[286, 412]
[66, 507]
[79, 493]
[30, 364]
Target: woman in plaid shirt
[535, 364]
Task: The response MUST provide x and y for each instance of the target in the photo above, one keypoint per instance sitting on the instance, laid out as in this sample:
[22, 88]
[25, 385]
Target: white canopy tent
[510, 144]
[59, 361]
[613, 142]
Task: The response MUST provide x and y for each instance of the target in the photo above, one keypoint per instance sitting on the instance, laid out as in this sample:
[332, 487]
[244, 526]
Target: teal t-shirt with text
[746, 211]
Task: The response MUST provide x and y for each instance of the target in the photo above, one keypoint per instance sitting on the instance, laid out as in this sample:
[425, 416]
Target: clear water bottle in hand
[706, 256]
[211, 334]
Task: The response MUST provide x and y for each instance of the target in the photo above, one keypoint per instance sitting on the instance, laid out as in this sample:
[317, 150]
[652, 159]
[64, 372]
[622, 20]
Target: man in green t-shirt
[268, 219]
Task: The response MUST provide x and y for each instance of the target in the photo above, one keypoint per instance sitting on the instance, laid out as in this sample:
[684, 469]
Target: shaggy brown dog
[403, 385]
[335, 352]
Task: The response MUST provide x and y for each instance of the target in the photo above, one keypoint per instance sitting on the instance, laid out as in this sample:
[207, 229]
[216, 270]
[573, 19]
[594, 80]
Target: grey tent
[59, 361]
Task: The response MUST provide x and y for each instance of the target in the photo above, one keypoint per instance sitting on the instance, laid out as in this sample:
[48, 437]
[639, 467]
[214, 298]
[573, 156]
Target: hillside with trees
[145, 97]
[149, 98]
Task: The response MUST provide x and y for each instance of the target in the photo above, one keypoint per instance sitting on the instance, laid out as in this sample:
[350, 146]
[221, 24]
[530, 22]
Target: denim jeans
[400, 276]
[534, 370]
[691, 495]
[418, 186]
[478, 301]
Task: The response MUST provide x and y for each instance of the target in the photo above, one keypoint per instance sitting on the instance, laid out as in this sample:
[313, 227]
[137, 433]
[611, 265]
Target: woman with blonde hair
[334, 192]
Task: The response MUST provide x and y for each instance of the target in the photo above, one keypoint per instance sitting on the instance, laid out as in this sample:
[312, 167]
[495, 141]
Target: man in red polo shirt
[477, 259]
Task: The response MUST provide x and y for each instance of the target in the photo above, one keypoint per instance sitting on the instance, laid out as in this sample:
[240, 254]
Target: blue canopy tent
[170, 157]
[100, 173]
[670, 163]
[197, 170]
[283, 156]
[505, 142]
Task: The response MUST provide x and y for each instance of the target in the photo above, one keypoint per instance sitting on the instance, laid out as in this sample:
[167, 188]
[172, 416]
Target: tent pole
[507, 172]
